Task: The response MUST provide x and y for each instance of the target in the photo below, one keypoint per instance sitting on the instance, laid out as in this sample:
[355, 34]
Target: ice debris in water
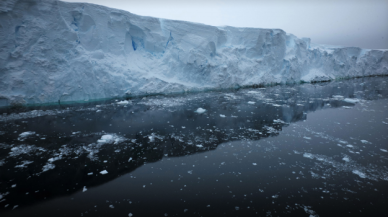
[250, 102]
[89, 174]
[359, 173]
[351, 100]
[24, 135]
[24, 149]
[124, 102]
[129, 159]
[308, 155]
[111, 138]
[365, 142]
[111, 206]
[130, 215]
[85, 189]
[104, 172]
[254, 164]
[200, 110]
[275, 196]
[346, 158]
[305, 137]
[24, 163]
[47, 167]
[383, 150]
[222, 116]
[237, 208]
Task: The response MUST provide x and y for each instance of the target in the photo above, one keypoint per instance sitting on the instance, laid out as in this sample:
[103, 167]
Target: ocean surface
[289, 150]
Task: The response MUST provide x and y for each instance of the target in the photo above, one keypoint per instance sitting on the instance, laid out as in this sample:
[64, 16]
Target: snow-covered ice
[98, 52]
[104, 172]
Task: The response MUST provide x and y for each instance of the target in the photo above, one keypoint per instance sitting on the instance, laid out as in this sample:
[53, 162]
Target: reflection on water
[118, 148]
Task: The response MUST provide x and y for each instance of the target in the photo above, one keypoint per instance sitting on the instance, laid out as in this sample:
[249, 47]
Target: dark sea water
[303, 150]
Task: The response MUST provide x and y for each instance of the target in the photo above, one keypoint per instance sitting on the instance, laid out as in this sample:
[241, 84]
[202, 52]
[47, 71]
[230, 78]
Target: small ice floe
[130, 215]
[98, 111]
[91, 173]
[365, 142]
[105, 161]
[250, 102]
[237, 208]
[383, 150]
[359, 173]
[200, 110]
[305, 137]
[24, 163]
[14, 185]
[124, 102]
[129, 160]
[183, 127]
[24, 135]
[111, 138]
[254, 164]
[85, 189]
[152, 137]
[275, 196]
[104, 172]
[190, 172]
[111, 206]
[346, 107]
[349, 100]
[346, 158]
[199, 146]
[222, 116]
[278, 121]
[338, 96]
[350, 146]
[47, 167]
[308, 155]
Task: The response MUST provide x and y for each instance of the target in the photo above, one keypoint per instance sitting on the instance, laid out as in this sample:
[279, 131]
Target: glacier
[54, 51]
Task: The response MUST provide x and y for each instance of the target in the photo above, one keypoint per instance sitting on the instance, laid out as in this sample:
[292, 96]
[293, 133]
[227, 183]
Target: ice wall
[52, 50]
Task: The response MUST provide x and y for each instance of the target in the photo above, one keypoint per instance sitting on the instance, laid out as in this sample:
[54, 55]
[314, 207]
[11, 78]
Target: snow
[58, 51]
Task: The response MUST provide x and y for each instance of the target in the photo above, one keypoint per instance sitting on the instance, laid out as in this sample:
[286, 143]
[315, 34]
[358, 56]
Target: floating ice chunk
[105, 161]
[250, 102]
[14, 185]
[185, 210]
[152, 137]
[98, 111]
[254, 164]
[104, 172]
[129, 160]
[365, 142]
[222, 116]
[24, 163]
[350, 146]
[275, 196]
[346, 158]
[308, 155]
[85, 189]
[199, 146]
[200, 110]
[48, 167]
[237, 208]
[190, 172]
[359, 173]
[383, 150]
[305, 137]
[24, 135]
[130, 215]
[124, 102]
[91, 173]
[338, 96]
[346, 107]
[111, 138]
[278, 121]
[111, 206]
[349, 100]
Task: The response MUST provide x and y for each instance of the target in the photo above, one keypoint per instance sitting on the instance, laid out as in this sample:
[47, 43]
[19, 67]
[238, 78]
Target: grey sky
[361, 23]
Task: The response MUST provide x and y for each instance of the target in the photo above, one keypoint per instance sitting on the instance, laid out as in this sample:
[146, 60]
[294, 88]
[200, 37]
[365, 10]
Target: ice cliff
[52, 50]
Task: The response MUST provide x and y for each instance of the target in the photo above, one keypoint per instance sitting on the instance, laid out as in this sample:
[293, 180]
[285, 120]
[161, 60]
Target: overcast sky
[361, 23]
